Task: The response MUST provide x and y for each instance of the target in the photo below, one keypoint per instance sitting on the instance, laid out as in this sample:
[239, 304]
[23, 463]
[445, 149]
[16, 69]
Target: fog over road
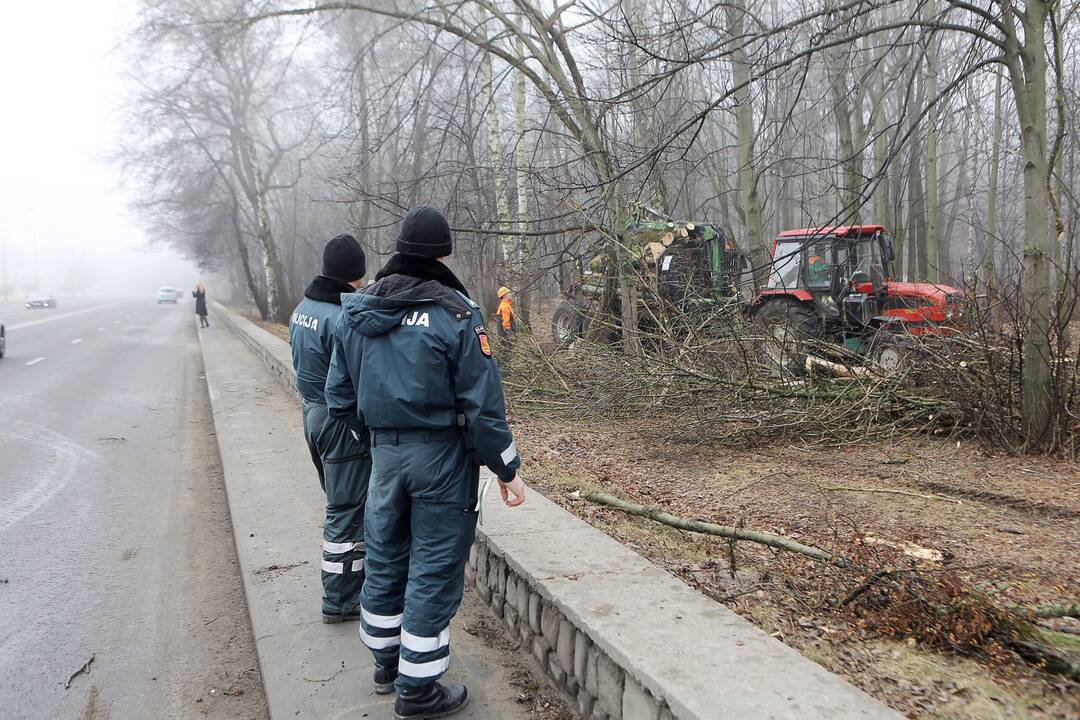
[115, 539]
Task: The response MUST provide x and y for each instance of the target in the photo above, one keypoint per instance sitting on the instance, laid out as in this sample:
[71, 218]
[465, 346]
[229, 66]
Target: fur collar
[327, 289]
[424, 268]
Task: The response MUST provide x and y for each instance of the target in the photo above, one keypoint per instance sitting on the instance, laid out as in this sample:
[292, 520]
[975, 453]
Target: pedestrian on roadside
[339, 447]
[199, 293]
[414, 348]
[507, 323]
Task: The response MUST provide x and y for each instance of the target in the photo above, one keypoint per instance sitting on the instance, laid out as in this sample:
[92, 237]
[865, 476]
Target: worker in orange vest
[505, 313]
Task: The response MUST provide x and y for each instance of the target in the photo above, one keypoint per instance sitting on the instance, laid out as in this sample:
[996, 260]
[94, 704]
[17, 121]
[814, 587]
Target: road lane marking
[54, 318]
[76, 341]
[101, 328]
[35, 361]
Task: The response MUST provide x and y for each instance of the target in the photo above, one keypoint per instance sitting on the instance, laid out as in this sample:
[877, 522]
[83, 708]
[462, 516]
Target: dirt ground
[535, 698]
[213, 670]
[1008, 526]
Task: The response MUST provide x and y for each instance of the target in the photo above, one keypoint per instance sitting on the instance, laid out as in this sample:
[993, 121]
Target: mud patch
[95, 708]
[272, 571]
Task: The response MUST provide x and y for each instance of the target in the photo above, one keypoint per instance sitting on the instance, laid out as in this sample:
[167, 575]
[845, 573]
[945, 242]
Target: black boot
[433, 701]
[385, 675]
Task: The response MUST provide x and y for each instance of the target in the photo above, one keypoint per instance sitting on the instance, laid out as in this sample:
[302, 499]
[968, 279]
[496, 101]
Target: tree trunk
[419, 143]
[245, 263]
[961, 189]
[276, 293]
[933, 219]
[880, 105]
[897, 170]
[749, 199]
[844, 112]
[521, 182]
[916, 222]
[992, 192]
[995, 310]
[1027, 70]
[498, 173]
[366, 158]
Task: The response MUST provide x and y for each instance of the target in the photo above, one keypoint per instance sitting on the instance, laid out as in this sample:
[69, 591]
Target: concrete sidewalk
[310, 669]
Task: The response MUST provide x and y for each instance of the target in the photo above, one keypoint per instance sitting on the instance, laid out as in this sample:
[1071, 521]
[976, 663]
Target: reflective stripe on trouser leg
[346, 468]
[443, 525]
[424, 657]
[387, 538]
[381, 633]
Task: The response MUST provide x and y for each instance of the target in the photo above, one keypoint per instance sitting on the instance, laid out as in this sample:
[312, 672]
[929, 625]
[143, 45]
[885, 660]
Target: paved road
[114, 528]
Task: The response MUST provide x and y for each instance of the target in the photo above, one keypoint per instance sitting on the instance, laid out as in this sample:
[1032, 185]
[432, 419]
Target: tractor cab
[830, 265]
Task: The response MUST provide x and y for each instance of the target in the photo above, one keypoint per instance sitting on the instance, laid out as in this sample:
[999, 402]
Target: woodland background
[261, 128]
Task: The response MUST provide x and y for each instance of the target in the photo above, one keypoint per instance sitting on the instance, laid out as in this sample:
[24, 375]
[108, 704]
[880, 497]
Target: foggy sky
[62, 214]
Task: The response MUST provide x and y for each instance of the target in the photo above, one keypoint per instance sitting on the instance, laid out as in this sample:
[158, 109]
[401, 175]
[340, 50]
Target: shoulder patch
[481, 336]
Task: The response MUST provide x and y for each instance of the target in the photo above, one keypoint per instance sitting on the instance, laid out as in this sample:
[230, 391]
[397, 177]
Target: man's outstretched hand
[516, 488]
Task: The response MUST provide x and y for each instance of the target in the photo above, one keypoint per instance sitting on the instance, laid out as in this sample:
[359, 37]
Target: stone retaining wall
[590, 680]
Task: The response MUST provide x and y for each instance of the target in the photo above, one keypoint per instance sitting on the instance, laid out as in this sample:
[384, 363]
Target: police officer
[414, 348]
[341, 453]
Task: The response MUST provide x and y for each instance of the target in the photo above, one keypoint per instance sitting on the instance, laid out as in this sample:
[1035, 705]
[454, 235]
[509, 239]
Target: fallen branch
[84, 669]
[763, 538]
[1047, 612]
[828, 367]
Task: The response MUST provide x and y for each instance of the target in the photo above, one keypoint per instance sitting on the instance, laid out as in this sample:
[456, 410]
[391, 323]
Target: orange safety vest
[506, 312]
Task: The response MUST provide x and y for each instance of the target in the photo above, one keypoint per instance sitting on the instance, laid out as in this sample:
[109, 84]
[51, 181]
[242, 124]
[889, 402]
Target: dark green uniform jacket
[420, 351]
[310, 335]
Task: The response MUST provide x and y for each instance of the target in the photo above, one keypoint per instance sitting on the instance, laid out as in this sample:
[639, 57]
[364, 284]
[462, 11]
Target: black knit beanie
[425, 232]
[343, 259]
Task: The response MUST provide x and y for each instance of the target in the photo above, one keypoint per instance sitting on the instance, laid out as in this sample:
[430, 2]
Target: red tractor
[833, 286]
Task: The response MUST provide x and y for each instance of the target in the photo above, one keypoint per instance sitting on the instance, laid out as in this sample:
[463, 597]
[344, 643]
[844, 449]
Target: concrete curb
[619, 637]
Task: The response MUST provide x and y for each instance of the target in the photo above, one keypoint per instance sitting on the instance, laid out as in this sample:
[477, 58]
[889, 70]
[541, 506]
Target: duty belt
[400, 437]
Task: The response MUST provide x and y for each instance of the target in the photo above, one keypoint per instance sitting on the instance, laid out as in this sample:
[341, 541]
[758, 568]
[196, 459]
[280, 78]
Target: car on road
[41, 301]
[168, 295]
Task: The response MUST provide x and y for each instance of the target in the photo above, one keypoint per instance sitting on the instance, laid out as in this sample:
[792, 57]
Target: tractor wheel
[889, 353]
[567, 325]
[788, 327]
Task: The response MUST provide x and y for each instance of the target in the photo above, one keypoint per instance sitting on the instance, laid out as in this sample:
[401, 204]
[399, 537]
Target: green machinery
[688, 266]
